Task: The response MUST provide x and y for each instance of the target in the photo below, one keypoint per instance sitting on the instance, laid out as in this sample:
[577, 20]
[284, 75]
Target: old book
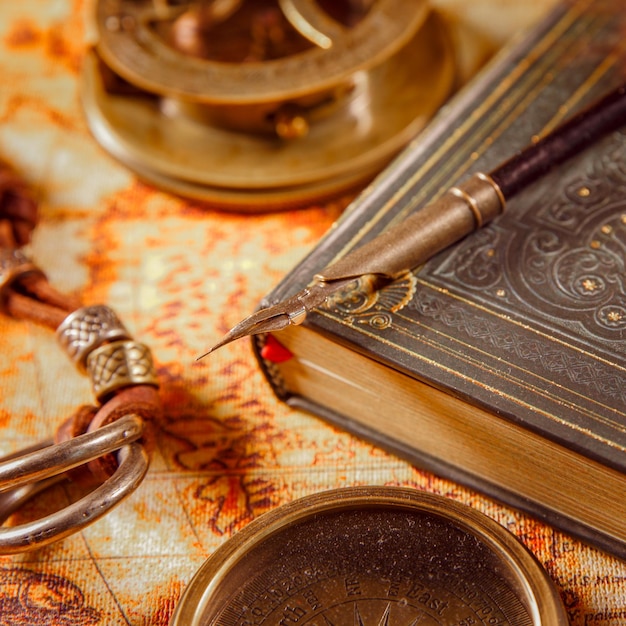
[500, 363]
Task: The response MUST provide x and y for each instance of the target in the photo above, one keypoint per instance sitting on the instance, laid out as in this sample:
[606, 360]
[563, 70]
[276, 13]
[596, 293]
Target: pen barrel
[603, 116]
[460, 211]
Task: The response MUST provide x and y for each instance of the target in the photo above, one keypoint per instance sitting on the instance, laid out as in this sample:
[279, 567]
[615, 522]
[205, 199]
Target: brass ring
[490, 181]
[471, 204]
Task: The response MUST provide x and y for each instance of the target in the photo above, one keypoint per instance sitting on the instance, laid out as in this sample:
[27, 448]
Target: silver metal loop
[86, 329]
[39, 462]
[14, 264]
[23, 476]
[13, 500]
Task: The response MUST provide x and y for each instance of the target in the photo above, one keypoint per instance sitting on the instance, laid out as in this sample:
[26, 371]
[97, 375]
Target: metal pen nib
[407, 245]
[458, 212]
[292, 311]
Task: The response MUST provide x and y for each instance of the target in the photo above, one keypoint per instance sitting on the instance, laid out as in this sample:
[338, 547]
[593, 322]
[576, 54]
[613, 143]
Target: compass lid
[372, 555]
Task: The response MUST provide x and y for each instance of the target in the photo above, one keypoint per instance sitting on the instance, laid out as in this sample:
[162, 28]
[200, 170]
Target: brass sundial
[263, 104]
[372, 556]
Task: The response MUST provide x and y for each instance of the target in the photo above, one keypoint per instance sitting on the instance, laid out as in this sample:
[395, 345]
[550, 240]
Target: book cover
[520, 329]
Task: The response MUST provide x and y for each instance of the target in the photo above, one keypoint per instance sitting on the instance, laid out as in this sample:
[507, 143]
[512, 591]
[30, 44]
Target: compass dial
[371, 558]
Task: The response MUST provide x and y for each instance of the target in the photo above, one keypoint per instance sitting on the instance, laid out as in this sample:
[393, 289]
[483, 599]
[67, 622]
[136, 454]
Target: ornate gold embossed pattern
[367, 305]
[179, 275]
[545, 268]
[544, 272]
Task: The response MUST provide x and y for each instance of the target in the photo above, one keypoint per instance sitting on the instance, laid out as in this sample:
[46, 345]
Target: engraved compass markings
[385, 619]
[357, 563]
[358, 620]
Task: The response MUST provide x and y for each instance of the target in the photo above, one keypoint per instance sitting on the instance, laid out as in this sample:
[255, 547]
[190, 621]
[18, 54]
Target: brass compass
[372, 556]
[263, 104]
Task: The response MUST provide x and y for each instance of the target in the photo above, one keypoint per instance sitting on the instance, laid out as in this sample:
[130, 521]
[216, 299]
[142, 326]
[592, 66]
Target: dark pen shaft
[478, 200]
[530, 164]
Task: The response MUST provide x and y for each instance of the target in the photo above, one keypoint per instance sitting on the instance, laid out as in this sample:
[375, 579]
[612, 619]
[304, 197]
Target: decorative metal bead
[14, 264]
[120, 364]
[88, 328]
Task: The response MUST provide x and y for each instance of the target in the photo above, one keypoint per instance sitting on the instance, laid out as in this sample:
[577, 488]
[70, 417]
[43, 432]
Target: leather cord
[30, 297]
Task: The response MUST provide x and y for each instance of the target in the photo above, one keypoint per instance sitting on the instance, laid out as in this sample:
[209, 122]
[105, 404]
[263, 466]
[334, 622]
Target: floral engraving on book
[577, 367]
[562, 259]
[362, 302]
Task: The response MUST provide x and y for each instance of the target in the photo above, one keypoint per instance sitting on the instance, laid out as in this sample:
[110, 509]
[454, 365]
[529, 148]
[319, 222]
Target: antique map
[179, 274]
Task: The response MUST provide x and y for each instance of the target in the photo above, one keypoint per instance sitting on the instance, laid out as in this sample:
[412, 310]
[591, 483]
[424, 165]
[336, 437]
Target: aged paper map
[179, 274]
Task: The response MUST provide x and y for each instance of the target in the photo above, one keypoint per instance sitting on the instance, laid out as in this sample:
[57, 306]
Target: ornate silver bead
[88, 328]
[120, 364]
